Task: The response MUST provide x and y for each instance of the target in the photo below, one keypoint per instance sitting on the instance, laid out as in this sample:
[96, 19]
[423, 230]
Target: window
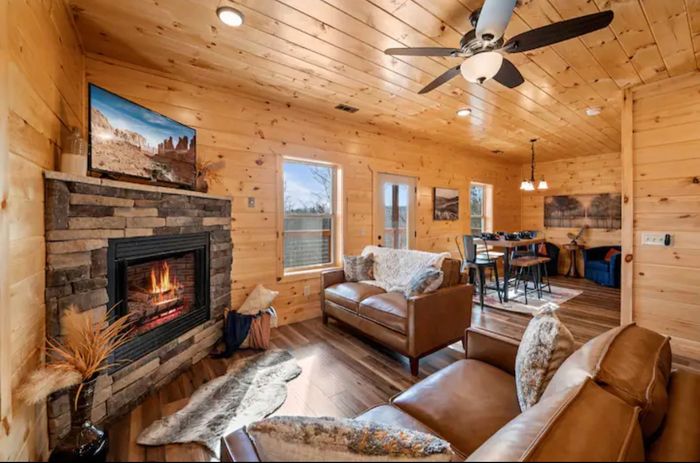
[310, 220]
[481, 206]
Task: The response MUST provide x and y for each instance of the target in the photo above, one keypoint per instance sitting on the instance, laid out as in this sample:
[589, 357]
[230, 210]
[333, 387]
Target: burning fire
[163, 287]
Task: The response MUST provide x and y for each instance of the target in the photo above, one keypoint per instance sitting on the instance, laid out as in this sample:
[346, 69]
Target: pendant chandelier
[529, 185]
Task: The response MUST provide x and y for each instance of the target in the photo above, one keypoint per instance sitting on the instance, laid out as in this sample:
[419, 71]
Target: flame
[162, 283]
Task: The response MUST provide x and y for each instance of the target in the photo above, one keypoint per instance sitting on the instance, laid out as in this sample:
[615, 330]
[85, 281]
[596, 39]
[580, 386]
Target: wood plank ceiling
[318, 53]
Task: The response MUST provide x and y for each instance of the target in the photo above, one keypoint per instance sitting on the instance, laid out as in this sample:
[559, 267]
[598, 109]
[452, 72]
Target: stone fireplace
[161, 255]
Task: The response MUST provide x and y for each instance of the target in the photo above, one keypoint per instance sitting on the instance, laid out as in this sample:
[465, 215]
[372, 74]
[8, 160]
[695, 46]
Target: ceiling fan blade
[448, 75]
[427, 51]
[494, 18]
[508, 75]
[558, 32]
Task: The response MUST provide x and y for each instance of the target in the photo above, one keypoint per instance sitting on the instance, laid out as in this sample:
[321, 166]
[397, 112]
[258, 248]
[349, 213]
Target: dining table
[509, 246]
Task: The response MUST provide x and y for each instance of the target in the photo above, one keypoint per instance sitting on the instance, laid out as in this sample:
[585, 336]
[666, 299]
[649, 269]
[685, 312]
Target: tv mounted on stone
[129, 141]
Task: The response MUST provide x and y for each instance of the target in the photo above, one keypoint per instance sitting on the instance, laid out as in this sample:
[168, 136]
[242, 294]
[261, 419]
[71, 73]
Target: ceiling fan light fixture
[481, 67]
[230, 16]
[464, 112]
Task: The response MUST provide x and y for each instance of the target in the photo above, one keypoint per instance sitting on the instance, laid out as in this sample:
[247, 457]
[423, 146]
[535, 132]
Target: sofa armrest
[436, 319]
[332, 277]
[494, 349]
[237, 446]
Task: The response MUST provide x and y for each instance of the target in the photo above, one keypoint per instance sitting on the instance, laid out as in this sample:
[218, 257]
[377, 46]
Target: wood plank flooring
[344, 374]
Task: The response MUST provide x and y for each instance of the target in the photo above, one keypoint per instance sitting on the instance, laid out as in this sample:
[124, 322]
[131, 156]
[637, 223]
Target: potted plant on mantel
[74, 363]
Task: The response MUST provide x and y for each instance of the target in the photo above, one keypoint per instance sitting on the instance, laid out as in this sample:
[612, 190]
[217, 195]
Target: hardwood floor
[344, 374]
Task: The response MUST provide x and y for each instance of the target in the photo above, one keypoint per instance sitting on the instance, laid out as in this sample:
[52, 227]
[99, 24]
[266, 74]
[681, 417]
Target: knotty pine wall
[582, 175]
[250, 133]
[662, 137]
[45, 72]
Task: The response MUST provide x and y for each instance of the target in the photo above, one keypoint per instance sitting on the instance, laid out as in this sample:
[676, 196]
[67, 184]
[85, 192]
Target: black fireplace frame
[123, 252]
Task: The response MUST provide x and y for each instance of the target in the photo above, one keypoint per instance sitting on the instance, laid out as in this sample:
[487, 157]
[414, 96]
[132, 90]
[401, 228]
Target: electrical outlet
[307, 290]
[656, 239]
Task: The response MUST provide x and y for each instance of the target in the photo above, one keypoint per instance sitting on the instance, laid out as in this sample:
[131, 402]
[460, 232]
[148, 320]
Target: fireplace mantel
[82, 215]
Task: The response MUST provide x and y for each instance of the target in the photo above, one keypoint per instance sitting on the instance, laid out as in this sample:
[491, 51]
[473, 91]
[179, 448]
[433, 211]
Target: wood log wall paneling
[46, 78]
[666, 179]
[574, 176]
[249, 134]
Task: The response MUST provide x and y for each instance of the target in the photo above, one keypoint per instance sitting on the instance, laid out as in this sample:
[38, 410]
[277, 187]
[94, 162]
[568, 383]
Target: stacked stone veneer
[81, 215]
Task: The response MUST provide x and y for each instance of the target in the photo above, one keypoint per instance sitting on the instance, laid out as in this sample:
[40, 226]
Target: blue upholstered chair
[600, 271]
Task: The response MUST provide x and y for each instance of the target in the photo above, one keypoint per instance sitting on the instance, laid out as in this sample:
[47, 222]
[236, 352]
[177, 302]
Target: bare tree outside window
[309, 214]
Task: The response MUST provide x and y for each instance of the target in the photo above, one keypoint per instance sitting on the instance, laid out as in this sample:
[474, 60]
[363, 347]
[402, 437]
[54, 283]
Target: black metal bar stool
[479, 263]
[528, 269]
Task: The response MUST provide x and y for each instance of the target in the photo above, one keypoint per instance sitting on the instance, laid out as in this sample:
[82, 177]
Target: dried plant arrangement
[207, 174]
[79, 356]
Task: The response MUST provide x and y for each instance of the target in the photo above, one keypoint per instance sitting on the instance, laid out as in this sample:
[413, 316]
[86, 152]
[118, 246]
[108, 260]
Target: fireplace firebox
[162, 284]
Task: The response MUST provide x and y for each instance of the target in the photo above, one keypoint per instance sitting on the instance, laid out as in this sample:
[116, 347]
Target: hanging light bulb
[542, 185]
[481, 67]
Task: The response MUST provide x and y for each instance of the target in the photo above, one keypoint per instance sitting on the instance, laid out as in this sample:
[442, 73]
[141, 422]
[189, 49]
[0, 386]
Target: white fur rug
[252, 389]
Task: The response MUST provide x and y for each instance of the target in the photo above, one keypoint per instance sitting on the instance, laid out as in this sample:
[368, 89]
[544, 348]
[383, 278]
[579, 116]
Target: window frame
[486, 213]
[286, 273]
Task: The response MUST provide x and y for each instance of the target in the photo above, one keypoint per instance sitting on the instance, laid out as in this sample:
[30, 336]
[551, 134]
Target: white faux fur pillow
[544, 347]
[297, 438]
[260, 299]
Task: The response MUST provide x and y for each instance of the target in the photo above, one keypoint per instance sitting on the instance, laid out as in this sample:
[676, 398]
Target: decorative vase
[85, 442]
[201, 184]
[74, 155]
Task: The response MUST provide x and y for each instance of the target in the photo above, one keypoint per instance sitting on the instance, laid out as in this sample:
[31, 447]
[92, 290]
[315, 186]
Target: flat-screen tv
[129, 140]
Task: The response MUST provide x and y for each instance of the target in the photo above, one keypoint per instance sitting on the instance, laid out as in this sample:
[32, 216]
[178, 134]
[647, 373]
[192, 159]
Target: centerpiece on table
[75, 360]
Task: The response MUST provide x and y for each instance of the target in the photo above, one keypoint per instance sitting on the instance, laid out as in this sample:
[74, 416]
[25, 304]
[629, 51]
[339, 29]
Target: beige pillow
[260, 299]
[287, 438]
[544, 347]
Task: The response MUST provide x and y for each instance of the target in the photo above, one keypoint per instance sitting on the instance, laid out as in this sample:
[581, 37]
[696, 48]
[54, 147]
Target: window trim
[486, 207]
[298, 273]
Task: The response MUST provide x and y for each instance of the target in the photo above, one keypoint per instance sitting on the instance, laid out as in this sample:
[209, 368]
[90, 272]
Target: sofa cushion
[452, 271]
[585, 423]
[482, 399]
[631, 362]
[679, 439]
[388, 309]
[598, 265]
[349, 295]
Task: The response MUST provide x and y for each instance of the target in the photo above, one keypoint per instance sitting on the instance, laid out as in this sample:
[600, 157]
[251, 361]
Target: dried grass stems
[207, 170]
[80, 355]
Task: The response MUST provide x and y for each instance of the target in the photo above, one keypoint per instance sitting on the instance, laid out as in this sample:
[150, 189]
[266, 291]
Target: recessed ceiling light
[230, 16]
[593, 111]
[464, 112]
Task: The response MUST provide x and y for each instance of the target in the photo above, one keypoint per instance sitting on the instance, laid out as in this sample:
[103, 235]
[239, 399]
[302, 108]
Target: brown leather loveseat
[614, 399]
[413, 327]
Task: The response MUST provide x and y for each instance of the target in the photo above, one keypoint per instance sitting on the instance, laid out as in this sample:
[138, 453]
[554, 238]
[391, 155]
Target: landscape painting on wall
[594, 211]
[445, 204]
[127, 139]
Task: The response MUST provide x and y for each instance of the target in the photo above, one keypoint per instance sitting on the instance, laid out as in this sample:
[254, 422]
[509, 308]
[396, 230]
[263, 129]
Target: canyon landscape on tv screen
[127, 139]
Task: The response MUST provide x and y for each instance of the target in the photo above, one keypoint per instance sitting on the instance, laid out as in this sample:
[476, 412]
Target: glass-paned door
[395, 211]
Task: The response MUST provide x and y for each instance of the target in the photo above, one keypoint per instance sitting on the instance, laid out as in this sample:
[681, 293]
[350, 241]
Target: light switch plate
[655, 239]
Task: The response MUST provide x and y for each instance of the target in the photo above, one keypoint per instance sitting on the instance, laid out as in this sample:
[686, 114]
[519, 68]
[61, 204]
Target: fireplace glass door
[162, 284]
[160, 290]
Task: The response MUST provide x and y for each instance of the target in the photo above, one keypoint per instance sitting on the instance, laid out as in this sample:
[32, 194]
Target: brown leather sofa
[413, 327]
[614, 399]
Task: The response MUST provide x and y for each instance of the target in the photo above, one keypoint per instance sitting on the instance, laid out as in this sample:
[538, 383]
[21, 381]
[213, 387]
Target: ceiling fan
[482, 46]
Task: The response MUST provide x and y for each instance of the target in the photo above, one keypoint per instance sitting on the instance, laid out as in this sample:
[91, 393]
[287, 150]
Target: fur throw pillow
[544, 347]
[260, 299]
[358, 268]
[426, 281]
[287, 438]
